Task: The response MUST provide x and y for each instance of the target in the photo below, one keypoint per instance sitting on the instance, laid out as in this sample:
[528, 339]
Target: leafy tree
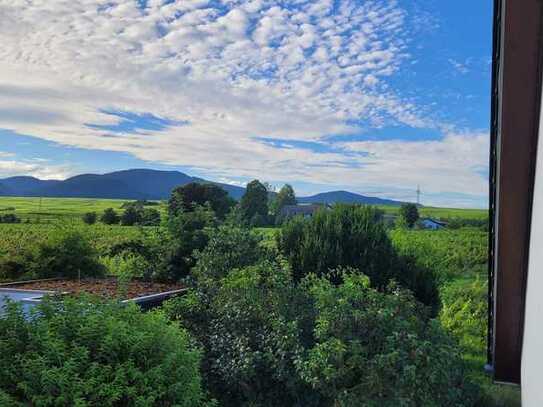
[81, 352]
[409, 214]
[285, 196]
[351, 236]
[132, 215]
[110, 217]
[188, 197]
[150, 217]
[254, 203]
[90, 218]
[187, 233]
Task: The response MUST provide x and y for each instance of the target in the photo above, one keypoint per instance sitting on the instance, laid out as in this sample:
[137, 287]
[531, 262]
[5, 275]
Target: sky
[371, 96]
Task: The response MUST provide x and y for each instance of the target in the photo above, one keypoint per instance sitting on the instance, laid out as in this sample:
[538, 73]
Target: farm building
[432, 224]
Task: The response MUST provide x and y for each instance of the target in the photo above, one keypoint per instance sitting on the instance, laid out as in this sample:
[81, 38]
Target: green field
[43, 210]
[440, 213]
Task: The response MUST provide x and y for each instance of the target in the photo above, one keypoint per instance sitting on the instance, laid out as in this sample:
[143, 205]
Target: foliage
[131, 215]
[228, 248]
[247, 323]
[109, 217]
[90, 218]
[285, 196]
[457, 223]
[378, 349]
[84, 353]
[187, 234]
[68, 254]
[268, 341]
[10, 218]
[409, 214]
[254, 204]
[188, 197]
[150, 217]
[351, 236]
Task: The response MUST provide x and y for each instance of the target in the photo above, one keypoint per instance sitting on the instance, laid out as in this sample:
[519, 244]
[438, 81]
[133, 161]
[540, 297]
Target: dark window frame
[516, 100]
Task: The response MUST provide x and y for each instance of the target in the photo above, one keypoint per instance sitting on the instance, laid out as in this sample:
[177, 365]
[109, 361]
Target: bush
[228, 248]
[351, 236]
[268, 341]
[9, 218]
[90, 218]
[65, 254]
[150, 217]
[110, 217]
[131, 216]
[378, 349]
[247, 324]
[85, 353]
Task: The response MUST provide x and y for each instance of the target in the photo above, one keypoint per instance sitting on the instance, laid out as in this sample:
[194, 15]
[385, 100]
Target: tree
[150, 217]
[90, 218]
[409, 214]
[285, 196]
[10, 218]
[110, 217]
[132, 215]
[254, 203]
[189, 196]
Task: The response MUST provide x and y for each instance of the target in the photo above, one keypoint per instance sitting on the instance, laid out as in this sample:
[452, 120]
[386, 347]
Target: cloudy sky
[372, 96]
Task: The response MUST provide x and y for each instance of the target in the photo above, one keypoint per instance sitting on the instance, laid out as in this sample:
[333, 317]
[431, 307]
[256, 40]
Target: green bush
[67, 254]
[110, 217]
[10, 218]
[247, 323]
[85, 353]
[352, 236]
[268, 341]
[228, 248]
[90, 218]
[378, 349]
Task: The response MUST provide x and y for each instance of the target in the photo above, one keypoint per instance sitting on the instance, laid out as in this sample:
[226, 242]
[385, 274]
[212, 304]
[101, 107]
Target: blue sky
[372, 96]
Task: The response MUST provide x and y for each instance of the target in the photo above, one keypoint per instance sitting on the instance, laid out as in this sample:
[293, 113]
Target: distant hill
[129, 184]
[147, 184]
[346, 197]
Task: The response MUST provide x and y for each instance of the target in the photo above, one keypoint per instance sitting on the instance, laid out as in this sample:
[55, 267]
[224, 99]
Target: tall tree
[254, 204]
[285, 196]
[190, 196]
[409, 214]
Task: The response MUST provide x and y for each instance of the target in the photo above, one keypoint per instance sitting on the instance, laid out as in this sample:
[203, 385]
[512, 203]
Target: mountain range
[146, 184]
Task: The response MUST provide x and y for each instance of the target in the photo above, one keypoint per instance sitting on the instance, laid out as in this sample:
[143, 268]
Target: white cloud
[294, 70]
[38, 169]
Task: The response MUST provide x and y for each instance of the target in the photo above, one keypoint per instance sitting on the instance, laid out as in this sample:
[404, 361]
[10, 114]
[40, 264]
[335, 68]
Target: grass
[441, 213]
[47, 210]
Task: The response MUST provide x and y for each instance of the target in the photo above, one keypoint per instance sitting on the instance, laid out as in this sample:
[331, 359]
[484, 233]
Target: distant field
[442, 213]
[53, 209]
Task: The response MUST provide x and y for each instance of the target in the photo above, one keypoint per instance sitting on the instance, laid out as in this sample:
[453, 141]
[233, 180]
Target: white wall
[532, 351]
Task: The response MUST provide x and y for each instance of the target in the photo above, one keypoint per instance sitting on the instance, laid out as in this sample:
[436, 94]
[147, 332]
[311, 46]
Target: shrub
[131, 216]
[378, 349]
[268, 341]
[9, 218]
[109, 217]
[247, 323]
[84, 353]
[66, 254]
[228, 248]
[150, 217]
[409, 214]
[351, 236]
[90, 218]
